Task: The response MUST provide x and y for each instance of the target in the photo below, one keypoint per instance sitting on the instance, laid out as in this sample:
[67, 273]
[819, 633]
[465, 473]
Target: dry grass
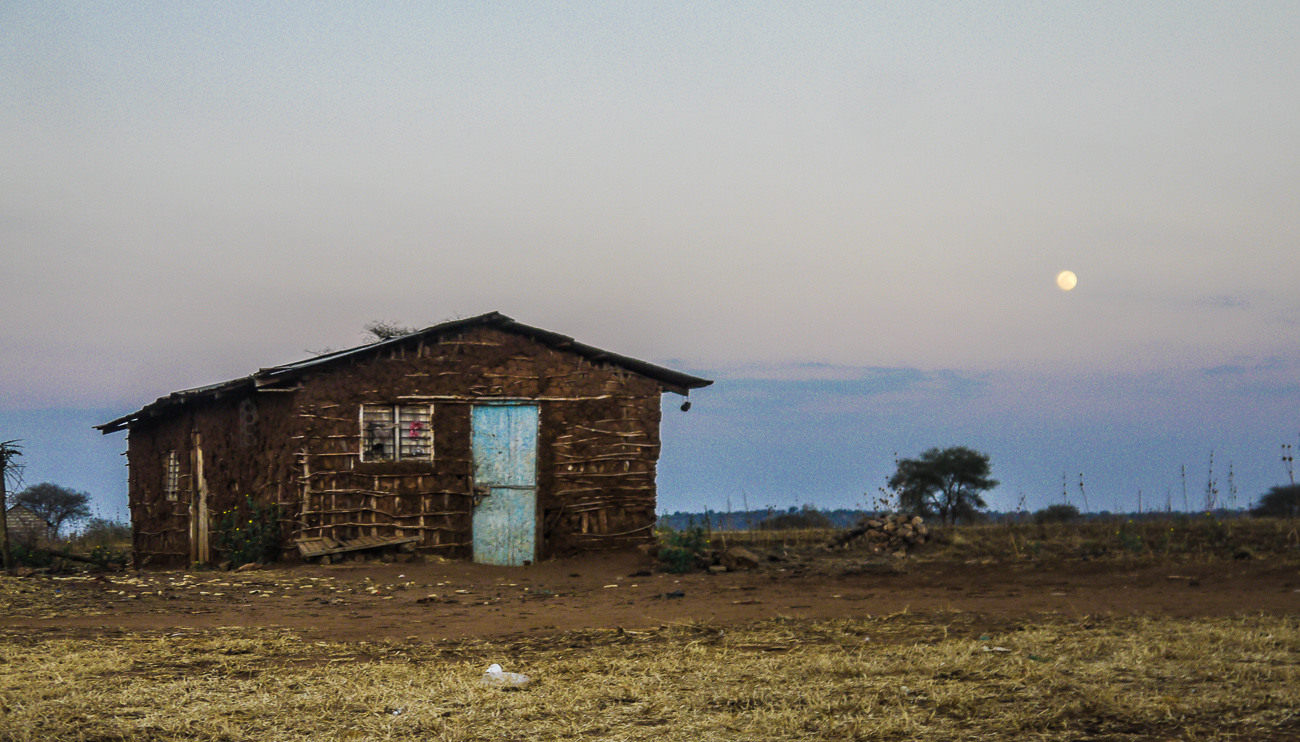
[1173, 537]
[888, 678]
[793, 538]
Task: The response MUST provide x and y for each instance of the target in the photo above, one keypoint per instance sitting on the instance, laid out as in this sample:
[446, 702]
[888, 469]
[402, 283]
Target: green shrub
[250, 533]
[676, 559]
[109, 557]
[808, 517]
[28, 555]
[680, 550]
[1130, 539]
[1056, 514]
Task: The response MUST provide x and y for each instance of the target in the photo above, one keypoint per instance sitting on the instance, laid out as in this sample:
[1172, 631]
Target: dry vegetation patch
[169, 592]
[1160, 538]
[906, 676]
[1155, 537]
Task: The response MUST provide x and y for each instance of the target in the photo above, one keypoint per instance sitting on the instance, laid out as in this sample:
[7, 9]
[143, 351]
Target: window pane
[415, 431]
[377, 434]
[172, 475]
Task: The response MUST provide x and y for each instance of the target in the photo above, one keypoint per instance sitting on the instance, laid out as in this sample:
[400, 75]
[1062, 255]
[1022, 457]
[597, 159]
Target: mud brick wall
[161, 530]
[598, 444]
[598, 480]
[247, 454]
[299, 446]
[243, 439]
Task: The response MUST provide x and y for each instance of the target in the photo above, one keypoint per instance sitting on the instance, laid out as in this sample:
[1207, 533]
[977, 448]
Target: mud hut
[478, 438]
[26, 526]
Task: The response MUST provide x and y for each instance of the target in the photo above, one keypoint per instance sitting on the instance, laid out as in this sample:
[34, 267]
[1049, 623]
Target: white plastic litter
[496, 676]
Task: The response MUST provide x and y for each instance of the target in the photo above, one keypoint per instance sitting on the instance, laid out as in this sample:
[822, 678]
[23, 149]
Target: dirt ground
[455, 600]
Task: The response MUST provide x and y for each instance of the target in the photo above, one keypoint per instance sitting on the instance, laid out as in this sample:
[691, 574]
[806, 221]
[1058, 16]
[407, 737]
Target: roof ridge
[674, 381]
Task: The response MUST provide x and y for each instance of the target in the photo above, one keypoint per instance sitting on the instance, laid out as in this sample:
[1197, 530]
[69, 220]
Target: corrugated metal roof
[275, 376]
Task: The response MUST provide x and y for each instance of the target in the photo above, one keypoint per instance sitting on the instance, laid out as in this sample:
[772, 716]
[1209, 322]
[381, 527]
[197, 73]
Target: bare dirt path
[457, 600]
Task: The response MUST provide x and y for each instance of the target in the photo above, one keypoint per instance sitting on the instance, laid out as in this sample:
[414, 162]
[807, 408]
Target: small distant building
[478, 438]
[26, 526]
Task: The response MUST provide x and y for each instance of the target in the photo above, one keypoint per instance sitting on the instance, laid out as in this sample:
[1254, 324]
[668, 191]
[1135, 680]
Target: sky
[849, 215]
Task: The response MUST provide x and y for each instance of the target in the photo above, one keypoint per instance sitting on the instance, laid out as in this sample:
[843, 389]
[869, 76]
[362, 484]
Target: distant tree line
[750, 520]
[948, 484]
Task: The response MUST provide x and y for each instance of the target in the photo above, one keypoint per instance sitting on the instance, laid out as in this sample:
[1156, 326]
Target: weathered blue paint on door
[504, 442]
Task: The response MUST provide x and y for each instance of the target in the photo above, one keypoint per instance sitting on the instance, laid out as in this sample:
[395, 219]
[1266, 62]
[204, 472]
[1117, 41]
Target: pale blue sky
[850, 214]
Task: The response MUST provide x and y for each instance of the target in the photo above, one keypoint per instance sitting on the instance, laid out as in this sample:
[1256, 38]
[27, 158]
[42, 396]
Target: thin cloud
[831, 388]
[1223, 301]
[1270, 377]
[1269, 365]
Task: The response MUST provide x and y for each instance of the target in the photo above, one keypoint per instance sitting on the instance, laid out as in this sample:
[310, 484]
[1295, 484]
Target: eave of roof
[673, 381]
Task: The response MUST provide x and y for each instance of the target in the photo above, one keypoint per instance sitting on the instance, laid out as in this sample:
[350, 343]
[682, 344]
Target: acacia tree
[57, 505]
[945, 481]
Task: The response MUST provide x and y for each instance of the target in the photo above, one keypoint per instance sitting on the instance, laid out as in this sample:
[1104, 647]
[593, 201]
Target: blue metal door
[504, 442]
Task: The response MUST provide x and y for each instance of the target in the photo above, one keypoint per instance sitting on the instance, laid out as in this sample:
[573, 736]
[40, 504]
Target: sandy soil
[457, 600]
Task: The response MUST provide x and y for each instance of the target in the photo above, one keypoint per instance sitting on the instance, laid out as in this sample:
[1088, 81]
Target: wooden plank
[310, 548]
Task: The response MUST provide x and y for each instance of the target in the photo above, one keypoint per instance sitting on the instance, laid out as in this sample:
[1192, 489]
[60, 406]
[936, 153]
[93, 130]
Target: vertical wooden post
[9, 450]
[193, 510]
[199, 551]
[4, 511]
[306, 499]
[201, 483]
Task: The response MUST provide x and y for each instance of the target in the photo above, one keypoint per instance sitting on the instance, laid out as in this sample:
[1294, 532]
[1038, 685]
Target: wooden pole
[4, 512]
[9, 450]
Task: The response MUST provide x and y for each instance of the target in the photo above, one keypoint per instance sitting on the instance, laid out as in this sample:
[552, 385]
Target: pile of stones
[894, 534]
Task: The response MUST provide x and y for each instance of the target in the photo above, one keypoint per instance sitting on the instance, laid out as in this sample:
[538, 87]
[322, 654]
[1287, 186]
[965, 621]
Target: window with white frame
[172, 475]
[401, 432]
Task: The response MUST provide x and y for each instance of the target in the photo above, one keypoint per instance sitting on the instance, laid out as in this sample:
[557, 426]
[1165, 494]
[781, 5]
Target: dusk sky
[850, 215]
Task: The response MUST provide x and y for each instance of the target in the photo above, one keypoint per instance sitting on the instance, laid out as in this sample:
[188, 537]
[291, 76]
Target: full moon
[1066, 280]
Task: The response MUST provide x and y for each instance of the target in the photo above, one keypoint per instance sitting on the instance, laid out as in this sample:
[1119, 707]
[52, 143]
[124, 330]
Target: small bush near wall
[680, 551]
[249, 533]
